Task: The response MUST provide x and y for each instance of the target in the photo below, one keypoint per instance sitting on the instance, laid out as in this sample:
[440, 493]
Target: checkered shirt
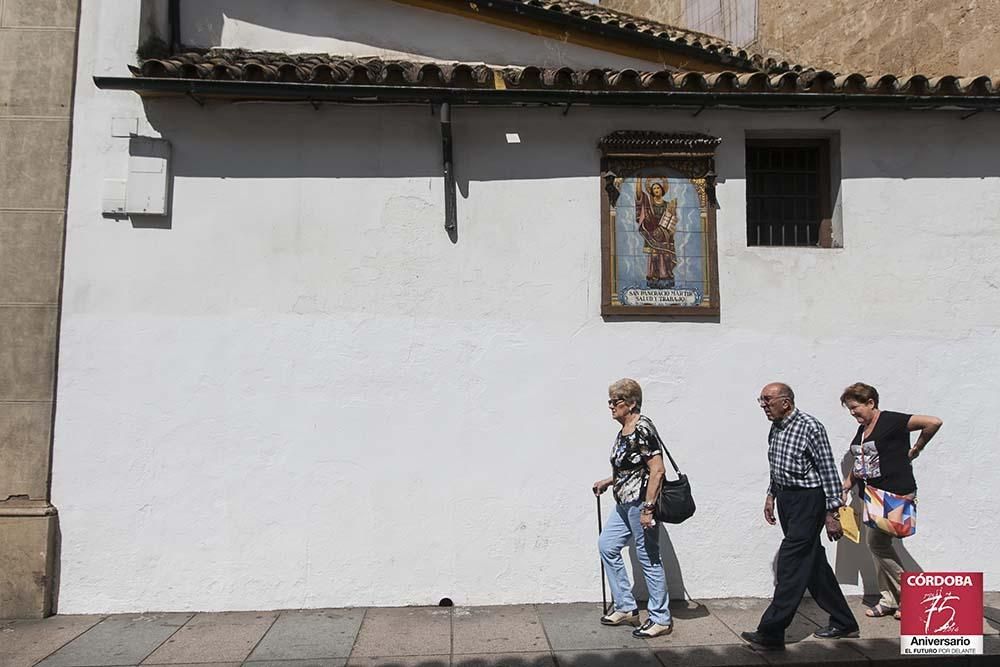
[799, 454]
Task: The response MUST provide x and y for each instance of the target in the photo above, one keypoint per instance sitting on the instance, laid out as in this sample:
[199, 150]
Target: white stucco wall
[302, 394]
[374, 28]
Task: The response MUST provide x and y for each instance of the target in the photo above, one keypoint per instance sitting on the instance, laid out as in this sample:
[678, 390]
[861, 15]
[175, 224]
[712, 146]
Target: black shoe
[833, 632]
[763, 641]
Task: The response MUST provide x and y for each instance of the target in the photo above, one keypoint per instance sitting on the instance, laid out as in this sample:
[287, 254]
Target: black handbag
[675, 503]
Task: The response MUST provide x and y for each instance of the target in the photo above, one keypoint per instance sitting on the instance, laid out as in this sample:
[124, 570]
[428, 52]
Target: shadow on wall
[380, 24]
[854, 561]
[671, 565]
[289, 140]
[695, 655]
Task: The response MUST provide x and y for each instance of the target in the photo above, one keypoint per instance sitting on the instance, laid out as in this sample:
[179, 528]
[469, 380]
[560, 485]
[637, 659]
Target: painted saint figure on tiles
[656, 217]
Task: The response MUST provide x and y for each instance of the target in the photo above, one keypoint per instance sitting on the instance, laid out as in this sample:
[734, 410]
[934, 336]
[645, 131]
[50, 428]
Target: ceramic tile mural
[659, 225]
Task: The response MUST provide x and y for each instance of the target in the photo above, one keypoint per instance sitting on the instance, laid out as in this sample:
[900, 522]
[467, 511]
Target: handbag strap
[864, 461]
[672, 462]
[659, 441]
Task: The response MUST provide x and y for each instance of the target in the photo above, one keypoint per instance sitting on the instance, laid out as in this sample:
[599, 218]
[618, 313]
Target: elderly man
[806, 486]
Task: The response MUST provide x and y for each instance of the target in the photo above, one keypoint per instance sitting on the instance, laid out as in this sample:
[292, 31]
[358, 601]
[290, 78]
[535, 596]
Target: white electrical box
[147, 191]
[113, 197]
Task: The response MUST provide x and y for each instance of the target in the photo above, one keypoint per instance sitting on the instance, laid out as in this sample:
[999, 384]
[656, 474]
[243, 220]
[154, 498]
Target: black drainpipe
[174, 20]
[450, 214]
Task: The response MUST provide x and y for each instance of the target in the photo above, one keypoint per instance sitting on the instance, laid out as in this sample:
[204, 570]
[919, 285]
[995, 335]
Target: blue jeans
[622, 525]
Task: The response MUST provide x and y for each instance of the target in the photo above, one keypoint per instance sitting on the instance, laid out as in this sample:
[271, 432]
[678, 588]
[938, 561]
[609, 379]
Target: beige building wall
[902, 37]
[733, 20]
[37, 62]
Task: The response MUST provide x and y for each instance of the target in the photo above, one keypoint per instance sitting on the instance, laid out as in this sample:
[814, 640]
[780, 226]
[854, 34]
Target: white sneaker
[621, 618]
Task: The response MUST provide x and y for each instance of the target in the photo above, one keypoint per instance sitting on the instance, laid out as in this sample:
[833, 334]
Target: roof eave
[621, 34]
[381, 94]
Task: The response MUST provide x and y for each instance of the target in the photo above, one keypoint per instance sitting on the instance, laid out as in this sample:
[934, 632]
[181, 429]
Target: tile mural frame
[631, 155]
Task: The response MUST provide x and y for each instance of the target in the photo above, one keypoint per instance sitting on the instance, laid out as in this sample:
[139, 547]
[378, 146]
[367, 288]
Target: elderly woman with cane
[637, 473]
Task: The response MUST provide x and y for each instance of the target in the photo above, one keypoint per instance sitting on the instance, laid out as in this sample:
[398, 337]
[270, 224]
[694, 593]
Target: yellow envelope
[849, 523]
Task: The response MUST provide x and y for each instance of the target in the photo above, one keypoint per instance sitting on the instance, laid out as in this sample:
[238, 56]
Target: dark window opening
[788, 193]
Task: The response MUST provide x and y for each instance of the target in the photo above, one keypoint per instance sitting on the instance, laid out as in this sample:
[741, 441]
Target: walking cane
[600, 528]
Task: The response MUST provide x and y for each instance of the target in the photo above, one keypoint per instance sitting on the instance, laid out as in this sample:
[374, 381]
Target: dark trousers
[802, 565]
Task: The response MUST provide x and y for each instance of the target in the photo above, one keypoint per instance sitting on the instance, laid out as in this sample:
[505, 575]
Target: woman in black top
[883, 458]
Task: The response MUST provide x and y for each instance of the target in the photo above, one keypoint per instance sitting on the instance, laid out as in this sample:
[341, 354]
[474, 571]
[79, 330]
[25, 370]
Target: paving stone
[401, 661]
[316, 662]
[27, 642]
[886, 627]
[830, 653]
[118, 640]
[709, 656]
[743, 614]
[506, 629]
[886, 652]
[991, 645]
[607, 658]
[407, 631]
[694, 625]
[222, 637]
[528, 659]
[308, 635]
[405, 637]
[577, 626]
[991, 612]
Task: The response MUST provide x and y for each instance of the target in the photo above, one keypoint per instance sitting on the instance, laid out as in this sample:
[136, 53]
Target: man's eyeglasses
[612, 402]
[764, 401]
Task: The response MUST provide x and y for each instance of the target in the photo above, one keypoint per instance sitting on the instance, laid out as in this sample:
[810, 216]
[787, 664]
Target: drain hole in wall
[446, 602]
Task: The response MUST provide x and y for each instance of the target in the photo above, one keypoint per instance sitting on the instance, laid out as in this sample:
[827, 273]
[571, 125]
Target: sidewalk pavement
[541, 635]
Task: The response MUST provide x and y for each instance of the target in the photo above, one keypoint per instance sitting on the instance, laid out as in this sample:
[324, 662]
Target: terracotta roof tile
[239, 65]
[626, 21]
[630, 23]
[643, 140]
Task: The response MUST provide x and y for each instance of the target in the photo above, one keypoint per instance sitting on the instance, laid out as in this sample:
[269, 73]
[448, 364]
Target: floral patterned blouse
[629, 455]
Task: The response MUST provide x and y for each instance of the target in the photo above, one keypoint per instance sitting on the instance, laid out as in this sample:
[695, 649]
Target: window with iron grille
[788, 192]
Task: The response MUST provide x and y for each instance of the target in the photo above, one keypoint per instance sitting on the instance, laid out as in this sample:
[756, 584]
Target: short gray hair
[628, 390]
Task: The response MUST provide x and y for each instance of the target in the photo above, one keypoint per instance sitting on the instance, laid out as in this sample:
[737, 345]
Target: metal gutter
[201, 89]
[450, 199]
